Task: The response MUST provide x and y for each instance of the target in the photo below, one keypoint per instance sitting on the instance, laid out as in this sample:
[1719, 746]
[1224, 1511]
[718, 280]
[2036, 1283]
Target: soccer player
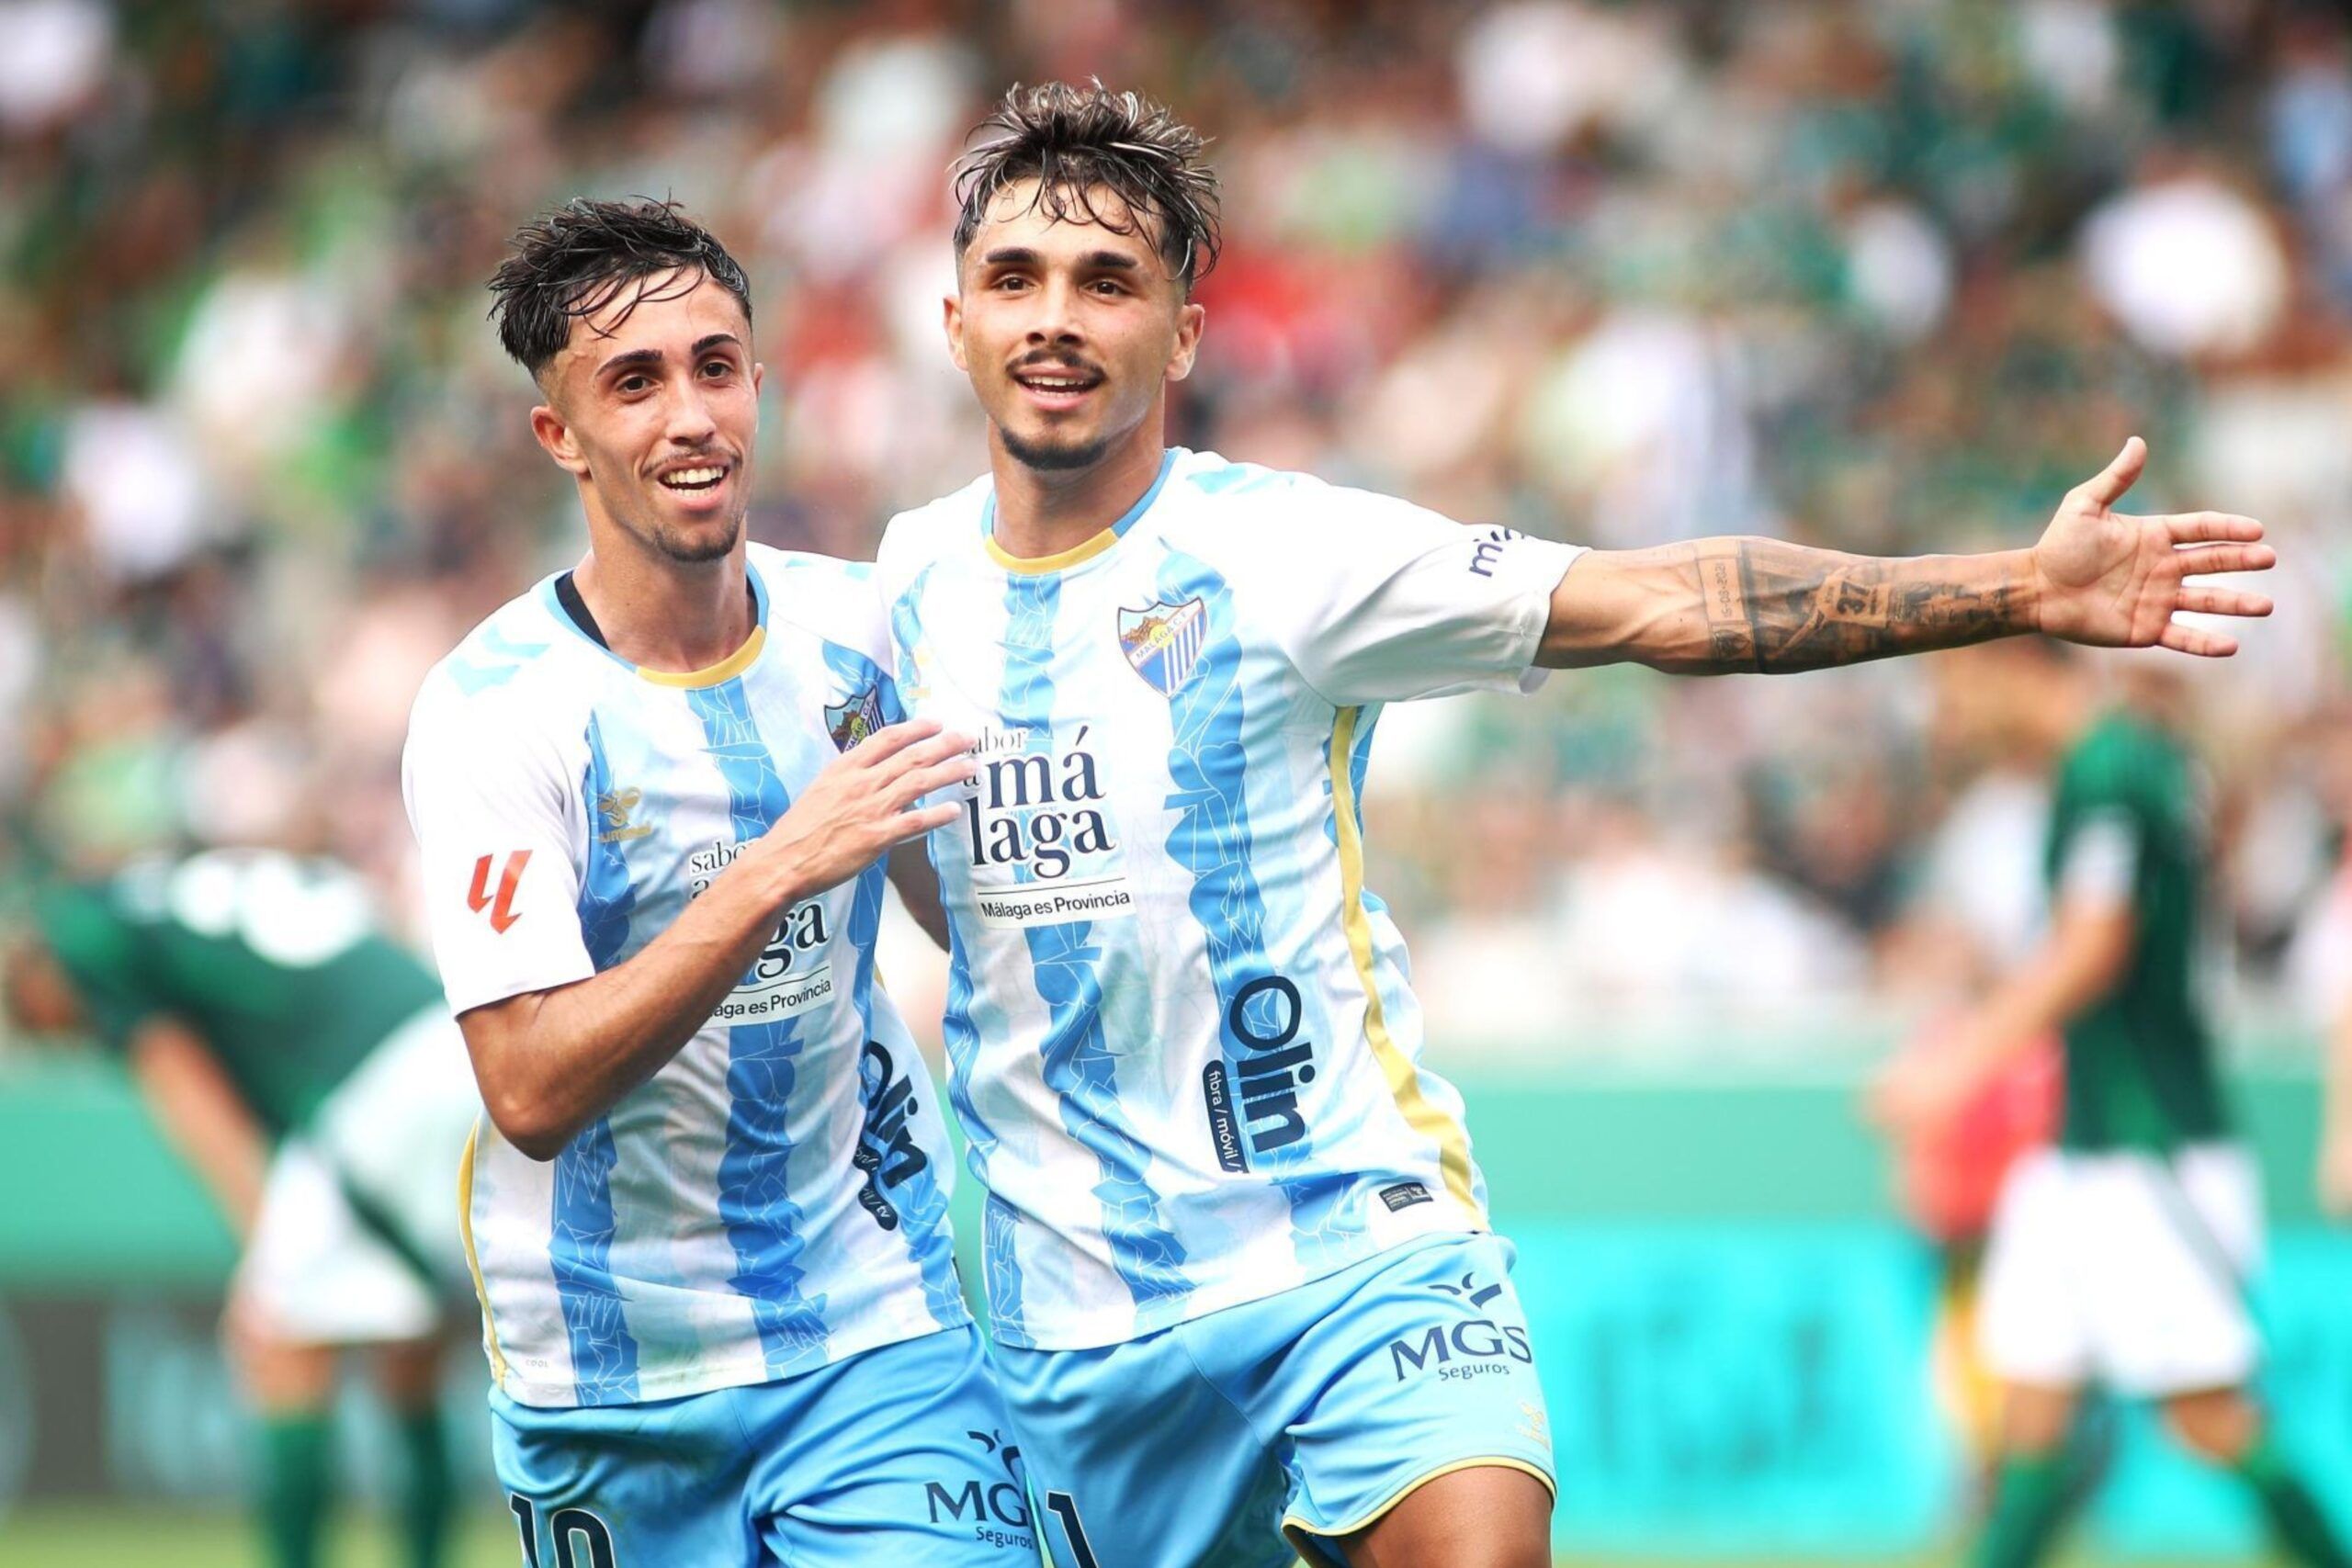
[306, 1068]
[2121, 1255]
[709, 1215]
[1222, 1187]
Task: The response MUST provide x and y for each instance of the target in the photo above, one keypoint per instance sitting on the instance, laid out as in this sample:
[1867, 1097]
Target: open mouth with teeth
[1055, 382]
[694, 481]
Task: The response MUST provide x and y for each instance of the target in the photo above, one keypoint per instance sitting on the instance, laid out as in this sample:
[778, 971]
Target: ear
[1190, 320]
[554, 433]
[952, 318]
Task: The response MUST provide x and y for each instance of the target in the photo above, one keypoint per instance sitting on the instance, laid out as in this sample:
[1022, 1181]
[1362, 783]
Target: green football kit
[336, 1040]
[2119, 1256]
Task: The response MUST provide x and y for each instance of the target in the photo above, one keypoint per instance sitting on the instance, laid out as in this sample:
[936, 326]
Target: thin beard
[696, 555]
[1053, 460]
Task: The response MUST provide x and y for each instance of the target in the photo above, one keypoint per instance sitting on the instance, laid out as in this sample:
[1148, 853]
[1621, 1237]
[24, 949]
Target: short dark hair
[572, 261]
[1072, 141]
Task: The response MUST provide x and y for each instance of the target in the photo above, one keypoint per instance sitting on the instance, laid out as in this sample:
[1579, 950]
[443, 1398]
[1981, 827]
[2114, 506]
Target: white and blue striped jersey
[775, 1198]
[1181, 1036]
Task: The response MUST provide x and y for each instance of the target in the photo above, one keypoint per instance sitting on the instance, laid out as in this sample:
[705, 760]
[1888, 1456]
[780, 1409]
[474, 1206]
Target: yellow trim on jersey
[726, 669]
[474, 1263]
[1404, 1081]
[1301, 1532]
[1074, 556]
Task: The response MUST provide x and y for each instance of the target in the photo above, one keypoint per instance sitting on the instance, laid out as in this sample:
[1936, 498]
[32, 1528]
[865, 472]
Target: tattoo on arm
[1775, 607]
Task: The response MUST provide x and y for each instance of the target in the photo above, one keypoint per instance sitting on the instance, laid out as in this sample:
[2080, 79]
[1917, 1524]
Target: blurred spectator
[1881, 278]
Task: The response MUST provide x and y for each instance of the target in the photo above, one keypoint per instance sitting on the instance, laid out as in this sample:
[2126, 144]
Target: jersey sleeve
[88, 931]
[1381, 601]
[2105, 816]
[495, 818]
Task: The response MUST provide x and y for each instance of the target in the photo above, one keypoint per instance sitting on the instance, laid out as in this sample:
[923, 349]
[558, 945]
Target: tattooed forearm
[1775, 607]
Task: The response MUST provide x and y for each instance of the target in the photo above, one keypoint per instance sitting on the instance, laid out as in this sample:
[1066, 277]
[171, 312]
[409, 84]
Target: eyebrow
[636, 357]
[1022, 256]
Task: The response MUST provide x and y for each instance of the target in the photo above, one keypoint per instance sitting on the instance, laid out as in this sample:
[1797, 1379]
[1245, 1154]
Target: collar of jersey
[726, 669]
[1077, 554]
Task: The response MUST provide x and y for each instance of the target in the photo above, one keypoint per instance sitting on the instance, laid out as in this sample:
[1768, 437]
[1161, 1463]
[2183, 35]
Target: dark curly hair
[1076, 140]
[573, 262]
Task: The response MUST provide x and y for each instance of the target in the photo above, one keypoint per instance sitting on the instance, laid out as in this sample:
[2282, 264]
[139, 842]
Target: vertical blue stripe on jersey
[580, 1237]
[1211, 840]
[754, 1194]
[1000, 1245]
[1077, 1063]
[922, 1205]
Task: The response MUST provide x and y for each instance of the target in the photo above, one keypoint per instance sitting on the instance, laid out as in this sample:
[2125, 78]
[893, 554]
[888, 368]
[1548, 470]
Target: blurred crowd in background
[1887, 277]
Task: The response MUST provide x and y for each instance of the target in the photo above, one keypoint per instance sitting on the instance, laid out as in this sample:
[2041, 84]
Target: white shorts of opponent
[390, 1137]
[2124, 1269]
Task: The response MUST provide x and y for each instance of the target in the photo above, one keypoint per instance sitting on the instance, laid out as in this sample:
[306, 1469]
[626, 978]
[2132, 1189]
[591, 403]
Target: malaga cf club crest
[1163, 641]
[855, 719]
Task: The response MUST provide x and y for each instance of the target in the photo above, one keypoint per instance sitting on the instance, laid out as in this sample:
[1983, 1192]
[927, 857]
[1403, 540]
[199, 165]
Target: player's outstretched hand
[866, 801]
[2115, 581]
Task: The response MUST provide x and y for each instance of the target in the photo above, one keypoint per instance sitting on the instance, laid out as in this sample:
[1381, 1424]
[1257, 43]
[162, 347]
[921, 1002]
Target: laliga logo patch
[1162, 642]
[855, 719]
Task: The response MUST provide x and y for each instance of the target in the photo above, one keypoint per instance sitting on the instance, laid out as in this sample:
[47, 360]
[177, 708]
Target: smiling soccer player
[1222, 1188]
[653, 796]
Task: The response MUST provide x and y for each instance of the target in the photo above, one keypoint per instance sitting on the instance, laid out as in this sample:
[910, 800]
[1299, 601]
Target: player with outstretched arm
[1222, 1185]
[709, 1213]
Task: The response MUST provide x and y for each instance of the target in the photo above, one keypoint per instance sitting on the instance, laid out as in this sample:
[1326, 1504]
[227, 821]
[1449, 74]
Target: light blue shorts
[1307, 1414]
[895, 1456]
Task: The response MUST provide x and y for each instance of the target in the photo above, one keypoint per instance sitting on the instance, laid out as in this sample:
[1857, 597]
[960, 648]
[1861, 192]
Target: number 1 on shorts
[1064, 1506]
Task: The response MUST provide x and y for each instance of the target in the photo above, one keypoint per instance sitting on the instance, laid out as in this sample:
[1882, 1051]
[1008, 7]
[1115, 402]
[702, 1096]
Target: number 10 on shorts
[580, 1538]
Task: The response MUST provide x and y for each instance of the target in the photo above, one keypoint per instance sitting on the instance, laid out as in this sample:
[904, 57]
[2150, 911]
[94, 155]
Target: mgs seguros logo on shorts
[997, 1510]
[1463, 1347]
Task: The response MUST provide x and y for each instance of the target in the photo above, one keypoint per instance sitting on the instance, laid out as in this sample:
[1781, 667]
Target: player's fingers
[2204, 644]
[2211, 527]
[891, 740]
[2106, 488]
[943, 747]
[2212, 560]
[913, 786]
[2223, 601]
[915, 824]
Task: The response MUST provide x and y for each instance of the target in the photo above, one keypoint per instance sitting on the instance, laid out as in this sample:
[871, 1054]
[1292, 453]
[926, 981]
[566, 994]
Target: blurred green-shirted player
[2121, 1257]
[307, 1069]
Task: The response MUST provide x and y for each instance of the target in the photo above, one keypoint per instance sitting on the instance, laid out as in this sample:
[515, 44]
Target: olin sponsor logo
[1468, 1348]
[1254, 1106]
[886, 1150]
[997, 1511]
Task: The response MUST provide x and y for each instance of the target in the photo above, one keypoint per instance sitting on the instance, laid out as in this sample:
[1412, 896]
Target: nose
[690, 422]
[1055, 321]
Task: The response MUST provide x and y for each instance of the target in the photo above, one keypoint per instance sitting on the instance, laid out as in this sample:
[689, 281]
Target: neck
[1044, 512]
[666, 615]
